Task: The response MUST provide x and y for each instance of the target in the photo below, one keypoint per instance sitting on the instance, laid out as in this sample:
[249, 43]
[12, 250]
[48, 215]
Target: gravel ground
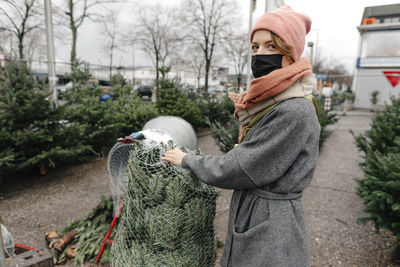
[31, 206]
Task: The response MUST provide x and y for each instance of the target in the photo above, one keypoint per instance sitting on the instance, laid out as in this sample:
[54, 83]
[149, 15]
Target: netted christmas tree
[168, 214]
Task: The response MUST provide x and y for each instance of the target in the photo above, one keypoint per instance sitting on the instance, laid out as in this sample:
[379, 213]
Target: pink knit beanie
[290, 26]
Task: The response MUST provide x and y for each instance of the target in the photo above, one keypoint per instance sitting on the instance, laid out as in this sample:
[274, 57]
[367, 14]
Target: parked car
[106, 89]
[142, 90]
[63, 88]
[231, 89]
[189, 89]
[215, 90]
[43, 78]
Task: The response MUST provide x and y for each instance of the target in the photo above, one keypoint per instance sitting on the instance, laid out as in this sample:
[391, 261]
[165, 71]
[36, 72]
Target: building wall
[383, 43]
[370, 80]
[379, 52]
[186, 75]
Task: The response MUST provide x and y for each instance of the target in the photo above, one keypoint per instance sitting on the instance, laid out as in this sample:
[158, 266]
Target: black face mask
[262, 65]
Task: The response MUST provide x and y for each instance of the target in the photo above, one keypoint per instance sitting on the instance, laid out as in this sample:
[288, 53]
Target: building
[378, 59]
[186, 76]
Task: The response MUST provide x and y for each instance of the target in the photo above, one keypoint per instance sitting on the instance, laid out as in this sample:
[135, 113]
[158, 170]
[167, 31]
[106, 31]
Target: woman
[277, 150]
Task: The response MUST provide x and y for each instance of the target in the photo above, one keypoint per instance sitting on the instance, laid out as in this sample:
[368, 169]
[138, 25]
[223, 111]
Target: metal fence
[98, 71]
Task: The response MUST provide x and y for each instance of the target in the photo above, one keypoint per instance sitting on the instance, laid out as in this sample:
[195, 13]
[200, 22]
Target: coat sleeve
[272, 146]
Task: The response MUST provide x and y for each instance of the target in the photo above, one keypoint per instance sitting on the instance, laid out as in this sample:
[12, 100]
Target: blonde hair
[283, 47]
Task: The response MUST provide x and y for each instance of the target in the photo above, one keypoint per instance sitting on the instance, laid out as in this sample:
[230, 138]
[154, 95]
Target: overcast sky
[334, 25]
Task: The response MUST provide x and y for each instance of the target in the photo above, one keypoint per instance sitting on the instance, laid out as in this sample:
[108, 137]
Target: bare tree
[197, 64]
[206, 21]
[111, 34]
[17, 17]
[76, 12]
[3, 41]
[237, 49]
[156, 36]
[192, 56]
[334, 69]
[35, 46]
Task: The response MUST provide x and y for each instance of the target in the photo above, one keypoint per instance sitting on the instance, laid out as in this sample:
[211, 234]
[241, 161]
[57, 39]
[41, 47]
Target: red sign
[393, 77]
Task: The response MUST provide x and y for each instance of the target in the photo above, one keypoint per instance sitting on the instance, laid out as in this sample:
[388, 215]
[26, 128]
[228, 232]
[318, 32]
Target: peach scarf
[270, 85]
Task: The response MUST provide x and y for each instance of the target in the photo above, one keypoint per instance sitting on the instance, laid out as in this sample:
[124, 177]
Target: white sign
[379, 62]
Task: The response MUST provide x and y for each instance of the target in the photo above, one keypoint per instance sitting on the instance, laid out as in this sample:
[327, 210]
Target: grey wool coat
[268, 172]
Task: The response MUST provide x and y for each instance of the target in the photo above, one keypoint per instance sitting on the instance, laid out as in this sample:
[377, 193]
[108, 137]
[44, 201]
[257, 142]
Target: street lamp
[316, 44]
[50, 52]
[252, 8]
[311, 44]
[133, 62]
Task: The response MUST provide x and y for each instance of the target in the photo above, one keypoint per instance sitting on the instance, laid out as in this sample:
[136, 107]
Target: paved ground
[34, 205]
[332, 205]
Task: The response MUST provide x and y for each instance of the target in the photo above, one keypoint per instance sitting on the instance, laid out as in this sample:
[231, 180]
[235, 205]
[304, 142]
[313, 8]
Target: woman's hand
[174, 156]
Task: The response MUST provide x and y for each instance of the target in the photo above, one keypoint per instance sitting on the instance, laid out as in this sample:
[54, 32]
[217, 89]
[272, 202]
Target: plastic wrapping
[8, 241]
[167, 217]
[168, 214]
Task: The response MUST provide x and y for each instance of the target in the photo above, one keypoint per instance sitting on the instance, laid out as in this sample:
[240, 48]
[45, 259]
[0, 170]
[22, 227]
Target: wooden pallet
[30, 258]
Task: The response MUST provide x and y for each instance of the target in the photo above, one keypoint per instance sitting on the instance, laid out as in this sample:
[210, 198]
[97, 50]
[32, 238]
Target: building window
[387, 20]
[381, 44]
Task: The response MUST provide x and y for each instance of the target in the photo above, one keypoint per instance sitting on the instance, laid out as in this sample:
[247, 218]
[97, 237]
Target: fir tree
[211, 107]
[91, 232]
[225, 136]
[380, 187]
[172, 101]
[384, 135]
[101, 123]
[32, 132]
[95, 118]
[325, 118]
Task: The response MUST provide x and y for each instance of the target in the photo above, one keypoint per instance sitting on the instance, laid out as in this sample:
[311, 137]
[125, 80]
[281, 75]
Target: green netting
[168, 214]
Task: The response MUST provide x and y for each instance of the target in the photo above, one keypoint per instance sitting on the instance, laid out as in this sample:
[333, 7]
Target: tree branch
[16, 7]
[9, 18]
